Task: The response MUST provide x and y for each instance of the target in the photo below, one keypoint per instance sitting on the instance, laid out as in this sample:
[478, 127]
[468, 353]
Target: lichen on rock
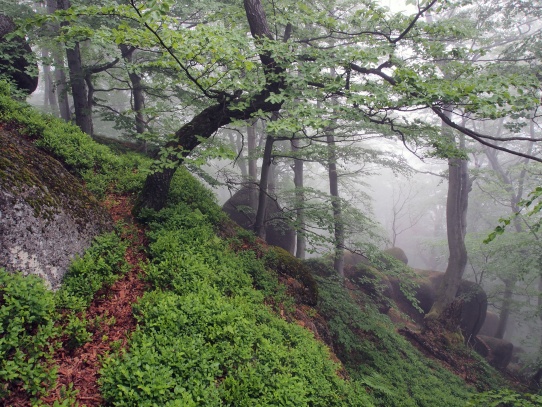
[46, 215]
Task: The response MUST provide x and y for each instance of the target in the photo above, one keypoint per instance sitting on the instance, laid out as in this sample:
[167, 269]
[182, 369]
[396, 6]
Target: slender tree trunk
[83, 110]
[241, 161]
[49, 99]
[506, 307]
[514, 199]
[299, 202]
[456, 215]
[338, 256]
[61, 87]
[252, 164]
[138, 96]
[259, 223]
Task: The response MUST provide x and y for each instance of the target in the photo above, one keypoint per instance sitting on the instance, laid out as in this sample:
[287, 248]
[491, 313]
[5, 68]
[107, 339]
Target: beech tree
[386, 66]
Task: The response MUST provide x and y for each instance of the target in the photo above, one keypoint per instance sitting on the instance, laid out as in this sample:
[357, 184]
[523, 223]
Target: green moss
[284, 263]
[100, 169]
[43, 182]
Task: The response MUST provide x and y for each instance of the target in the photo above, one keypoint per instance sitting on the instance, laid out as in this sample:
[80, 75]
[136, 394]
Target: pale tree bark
[514, 198]
[252, 163]
[299, 202]
[207, 122]
[49, 99]
[61, 88]
[459, 187]
[338, 227]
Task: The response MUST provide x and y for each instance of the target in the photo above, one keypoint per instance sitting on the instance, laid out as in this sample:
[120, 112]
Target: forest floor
[111, 322]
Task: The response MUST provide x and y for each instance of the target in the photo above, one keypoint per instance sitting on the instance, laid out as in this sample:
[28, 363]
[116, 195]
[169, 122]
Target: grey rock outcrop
[46, 215]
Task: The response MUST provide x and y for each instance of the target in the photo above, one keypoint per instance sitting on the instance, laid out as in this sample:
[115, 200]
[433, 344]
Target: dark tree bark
[138, 95]
[83, 111]
[506, 307]
[259, 223]
[459, 187]
[214, 117]
[61, 83]
[299, 202]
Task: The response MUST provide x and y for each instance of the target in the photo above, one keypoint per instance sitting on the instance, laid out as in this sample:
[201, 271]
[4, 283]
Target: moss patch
[42, 181]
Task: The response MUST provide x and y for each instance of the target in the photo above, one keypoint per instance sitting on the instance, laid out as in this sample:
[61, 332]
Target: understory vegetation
[216, 327]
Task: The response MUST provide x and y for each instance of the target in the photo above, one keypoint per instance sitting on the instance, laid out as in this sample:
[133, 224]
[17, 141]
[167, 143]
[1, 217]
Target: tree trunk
[60, 88]
[338, 256]
[259, 223]
[252, 164]
[299, 202]
[456, 215]
[138, 96]
[83, 110]
[49, 100]
[224, 112]
[506, 307]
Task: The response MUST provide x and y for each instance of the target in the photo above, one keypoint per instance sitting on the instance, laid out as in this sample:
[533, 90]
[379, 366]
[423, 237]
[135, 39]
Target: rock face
[498, 352]
[16, 67]
[491, 324]
[277, 231]
[46, 216]
[473, 304]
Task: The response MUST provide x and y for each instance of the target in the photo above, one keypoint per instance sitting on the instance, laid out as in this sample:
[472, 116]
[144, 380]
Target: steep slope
[216, 325]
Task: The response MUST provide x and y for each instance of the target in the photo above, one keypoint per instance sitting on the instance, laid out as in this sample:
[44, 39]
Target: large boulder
[473, 300]
[46, 216]
[491, 323]
[15, 58]
[397, 253]
[498, 352]
[241, 210]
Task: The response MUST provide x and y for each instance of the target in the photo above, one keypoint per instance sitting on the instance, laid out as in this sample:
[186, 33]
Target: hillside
[182, 308]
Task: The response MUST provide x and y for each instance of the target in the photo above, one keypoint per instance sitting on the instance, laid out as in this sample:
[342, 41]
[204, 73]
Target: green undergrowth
[100, 266]
[27, 314]
[205, 336]
[33, 319]
[96, 164]
[374, 354]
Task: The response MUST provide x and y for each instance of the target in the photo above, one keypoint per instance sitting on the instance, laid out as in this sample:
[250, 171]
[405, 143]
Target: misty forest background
[372, 124]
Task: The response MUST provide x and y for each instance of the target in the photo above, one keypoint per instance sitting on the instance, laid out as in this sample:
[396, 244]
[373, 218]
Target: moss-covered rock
[46, 215]
[285, 264]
